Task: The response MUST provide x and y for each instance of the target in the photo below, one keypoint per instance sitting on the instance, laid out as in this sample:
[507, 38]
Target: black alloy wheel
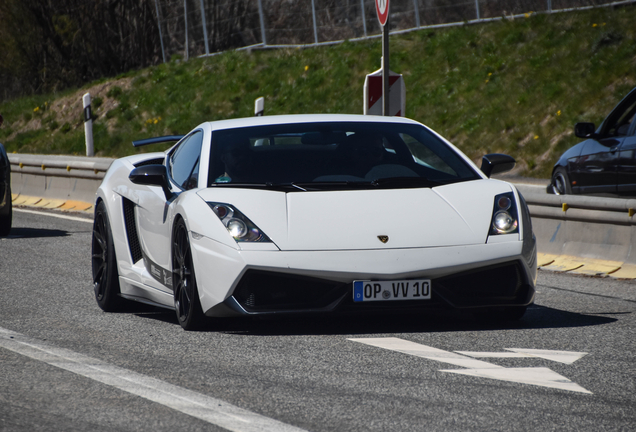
[104, 263]
[186, 296]
[561, 182]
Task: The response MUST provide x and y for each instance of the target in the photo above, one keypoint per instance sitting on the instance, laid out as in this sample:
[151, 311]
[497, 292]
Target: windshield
[312, 156]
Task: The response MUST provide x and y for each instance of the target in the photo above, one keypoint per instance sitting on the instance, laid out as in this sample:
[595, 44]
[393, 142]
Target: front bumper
[269, 293]
[235, 282]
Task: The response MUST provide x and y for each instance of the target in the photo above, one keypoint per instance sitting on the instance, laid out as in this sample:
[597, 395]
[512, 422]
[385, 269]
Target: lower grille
[261, 291]
[497, 285]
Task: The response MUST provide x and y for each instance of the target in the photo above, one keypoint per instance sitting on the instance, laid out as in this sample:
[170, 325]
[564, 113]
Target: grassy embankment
[515, 87]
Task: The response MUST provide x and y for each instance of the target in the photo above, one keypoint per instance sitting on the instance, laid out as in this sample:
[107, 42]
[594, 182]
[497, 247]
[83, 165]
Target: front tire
[104, 262]
[186, 295]
[561, 182]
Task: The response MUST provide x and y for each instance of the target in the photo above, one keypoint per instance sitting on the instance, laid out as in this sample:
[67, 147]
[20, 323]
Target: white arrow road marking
[543, 377]
[567, 357]
[494, 354]
[419, 350]
[209, 409]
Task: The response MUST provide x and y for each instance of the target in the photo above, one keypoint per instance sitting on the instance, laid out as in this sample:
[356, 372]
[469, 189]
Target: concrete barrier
[581, 234]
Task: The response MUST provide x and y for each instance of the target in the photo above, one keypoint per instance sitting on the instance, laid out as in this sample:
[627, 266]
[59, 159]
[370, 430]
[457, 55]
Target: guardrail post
[259, 106]
[88, 124]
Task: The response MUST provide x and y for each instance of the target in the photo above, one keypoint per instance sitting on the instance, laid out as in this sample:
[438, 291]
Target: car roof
[302, 118]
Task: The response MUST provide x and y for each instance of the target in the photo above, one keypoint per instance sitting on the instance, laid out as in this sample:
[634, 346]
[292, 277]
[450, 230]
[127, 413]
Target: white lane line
[427, 352]
[209, 409]
[61, 216]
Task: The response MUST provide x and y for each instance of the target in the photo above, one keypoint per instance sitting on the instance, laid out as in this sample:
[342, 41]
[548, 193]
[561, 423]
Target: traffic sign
[382, 8]
[372, 94]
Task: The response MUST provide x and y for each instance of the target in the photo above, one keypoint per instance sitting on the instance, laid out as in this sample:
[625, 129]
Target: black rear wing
[156, 140]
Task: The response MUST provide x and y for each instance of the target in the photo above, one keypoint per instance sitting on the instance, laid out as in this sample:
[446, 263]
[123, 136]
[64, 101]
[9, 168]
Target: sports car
[309, 214]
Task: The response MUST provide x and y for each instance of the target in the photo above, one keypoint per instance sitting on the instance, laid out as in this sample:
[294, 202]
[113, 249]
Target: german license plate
[414, 289]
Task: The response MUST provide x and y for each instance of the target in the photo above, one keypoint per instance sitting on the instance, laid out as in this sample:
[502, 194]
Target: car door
[154, 210]
[596, 167]
[626, 166]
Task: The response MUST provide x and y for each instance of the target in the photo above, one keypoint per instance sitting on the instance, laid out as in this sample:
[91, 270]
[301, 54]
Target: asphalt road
[570, 364]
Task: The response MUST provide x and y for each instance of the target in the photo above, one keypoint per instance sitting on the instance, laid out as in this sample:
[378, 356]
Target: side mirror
[152, 175]
[496, 163]
[585, 130]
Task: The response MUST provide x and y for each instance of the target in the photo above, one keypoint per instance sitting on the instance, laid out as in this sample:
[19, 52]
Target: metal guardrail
[582, 208]
[60, 166]
[561, 207]
[583, 234]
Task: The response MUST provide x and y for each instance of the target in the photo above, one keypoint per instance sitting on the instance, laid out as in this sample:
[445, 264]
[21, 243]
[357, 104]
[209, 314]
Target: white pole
[205, 29]
[163, 51]
[364, 20]
[88, 124]
[260, 14]
[259, 106]
[185, 15]
[313, 14]
[417, 13]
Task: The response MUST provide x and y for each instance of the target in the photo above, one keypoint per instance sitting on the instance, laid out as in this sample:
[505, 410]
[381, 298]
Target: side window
[620, 123]
[184, 162]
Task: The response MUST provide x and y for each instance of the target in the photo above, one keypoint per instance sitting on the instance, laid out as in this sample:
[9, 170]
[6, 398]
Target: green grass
[515, 87]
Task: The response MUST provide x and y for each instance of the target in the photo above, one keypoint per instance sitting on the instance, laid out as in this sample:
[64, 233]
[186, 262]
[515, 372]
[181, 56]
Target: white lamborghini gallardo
[311, 214]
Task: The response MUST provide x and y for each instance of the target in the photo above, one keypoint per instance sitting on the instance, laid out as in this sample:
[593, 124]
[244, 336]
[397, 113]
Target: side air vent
[131, 230]
[155, 161]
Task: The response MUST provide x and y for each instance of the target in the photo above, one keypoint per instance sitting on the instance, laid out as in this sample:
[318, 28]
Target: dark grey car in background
[605, 163]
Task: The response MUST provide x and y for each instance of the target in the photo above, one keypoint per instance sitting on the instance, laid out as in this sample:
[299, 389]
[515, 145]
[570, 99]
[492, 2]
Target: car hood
[451, 215]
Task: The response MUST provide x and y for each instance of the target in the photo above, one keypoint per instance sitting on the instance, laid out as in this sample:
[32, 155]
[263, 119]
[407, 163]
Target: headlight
[237, 224]
[504, 219]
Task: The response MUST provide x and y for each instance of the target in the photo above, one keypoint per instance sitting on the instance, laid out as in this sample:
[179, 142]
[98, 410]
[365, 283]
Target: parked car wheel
[561, 182]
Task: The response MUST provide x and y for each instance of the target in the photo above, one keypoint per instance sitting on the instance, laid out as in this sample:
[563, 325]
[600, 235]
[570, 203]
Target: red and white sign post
[384, 82]
[382, 8]
[373, 100]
